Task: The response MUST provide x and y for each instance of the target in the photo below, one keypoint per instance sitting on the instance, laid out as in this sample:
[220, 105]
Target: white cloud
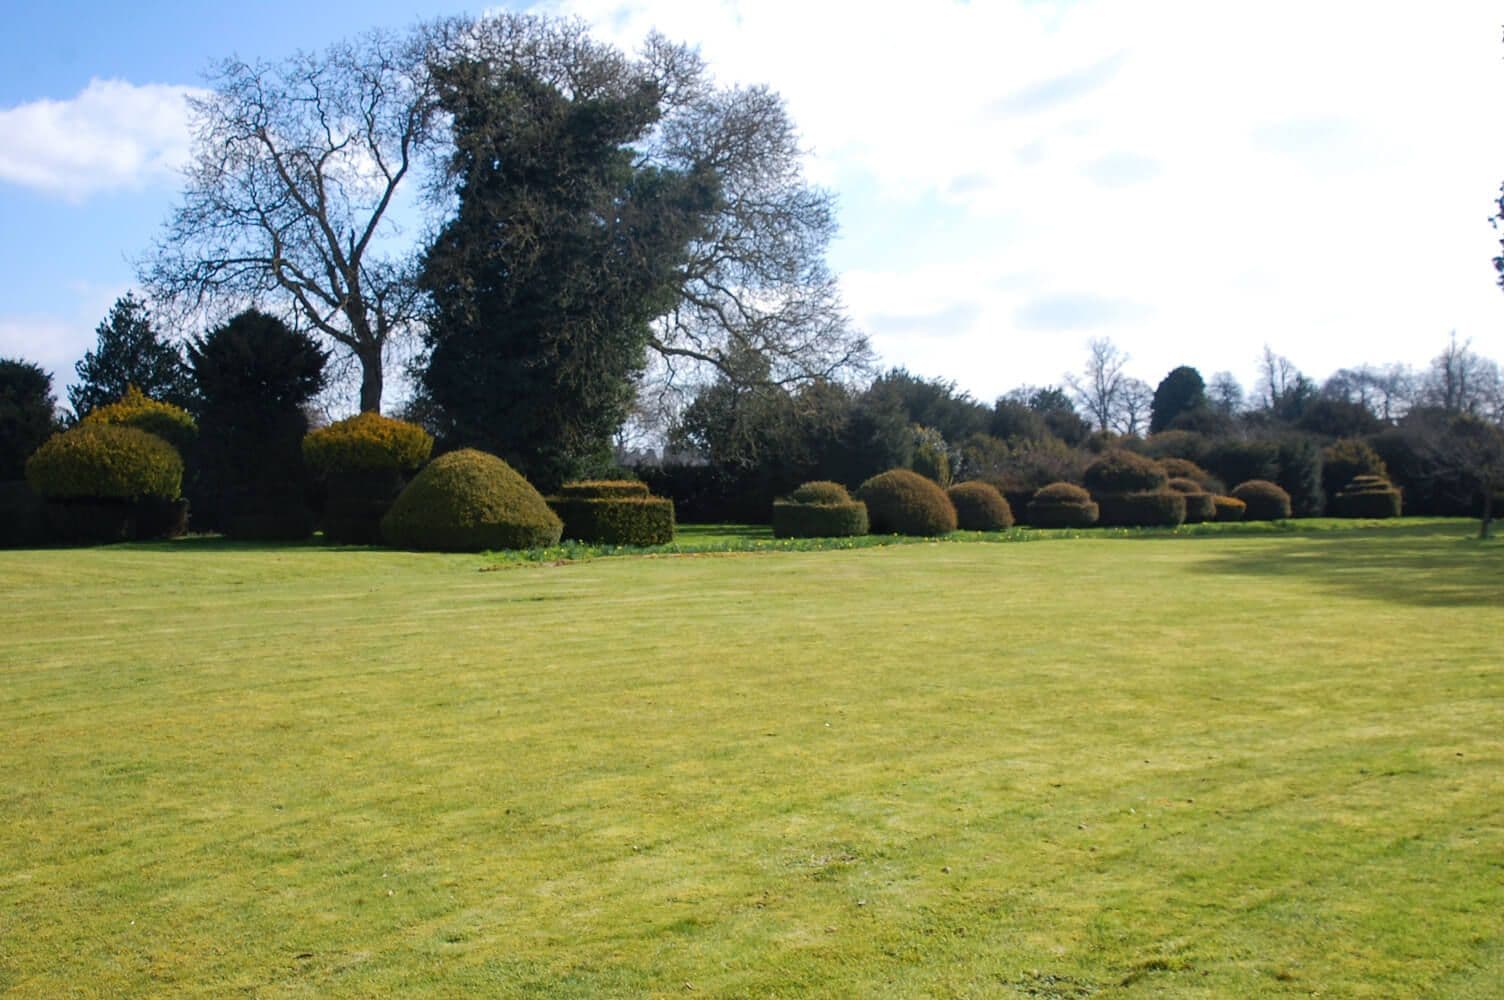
[112, 135]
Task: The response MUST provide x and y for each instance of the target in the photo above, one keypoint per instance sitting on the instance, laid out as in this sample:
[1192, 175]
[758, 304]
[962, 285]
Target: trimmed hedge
[793, 519]
[1265, 501]
[21, 517]
[1062, 505]
[1368, 496]
[616, 520]
[468, 501]
[1159, 509]
[902, 502]
[365, 443]
[980, 507]
[105, 461]
[603, 489]
[1198, 502]
[1345, 460]
[135, 409]
[821, 491]
[1122, 471]
[1229, 508]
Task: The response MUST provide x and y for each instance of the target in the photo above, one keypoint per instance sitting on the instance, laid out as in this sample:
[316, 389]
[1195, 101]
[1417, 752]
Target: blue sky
[1192, 179]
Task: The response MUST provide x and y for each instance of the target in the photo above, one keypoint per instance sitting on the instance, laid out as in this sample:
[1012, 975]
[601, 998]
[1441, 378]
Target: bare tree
[1134, 405]
[295, 168]
[1385, 392]
[1099, 388]
[1462, 381]
[1277, 378]
[1225, 393]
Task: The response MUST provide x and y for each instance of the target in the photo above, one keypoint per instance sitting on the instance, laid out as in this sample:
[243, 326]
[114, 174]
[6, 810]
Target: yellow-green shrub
[467, 501]
[616, 520]
[603, 489]
[172, 424]
[367, 442]
[836, 519]
[105, 461]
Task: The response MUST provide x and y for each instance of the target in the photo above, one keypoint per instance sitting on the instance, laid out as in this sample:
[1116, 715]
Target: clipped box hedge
[1229, 508]
[980, 507]
[604, 489]
[616, 520]
[1265, 501]
[1062, 505]
[1157, 509]
[1368, 496]
[792, 519]
[469, 501]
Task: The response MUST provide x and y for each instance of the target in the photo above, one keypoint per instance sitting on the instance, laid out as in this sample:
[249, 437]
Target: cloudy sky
[1193, 179]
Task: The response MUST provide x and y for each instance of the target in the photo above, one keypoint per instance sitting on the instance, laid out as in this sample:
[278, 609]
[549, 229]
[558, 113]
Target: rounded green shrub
[172, 424]
[1367, 496]
[366, 443]
[1264, 500]
[902, 502]
[1159, 509]
[616, 520]
[980, 507]
[838, 519]
[105, 461]
[603, 489]
[1121, 471]
[821, 491]
[1229, 508]
[468, 501]
[1062, 505]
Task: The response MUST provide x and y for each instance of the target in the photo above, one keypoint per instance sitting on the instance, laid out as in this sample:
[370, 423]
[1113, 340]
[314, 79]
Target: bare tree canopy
[287, 203]
[1099, 389]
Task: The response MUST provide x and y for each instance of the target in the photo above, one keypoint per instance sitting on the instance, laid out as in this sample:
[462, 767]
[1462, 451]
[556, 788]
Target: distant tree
[1181, 391]
[1462, 381]
[1337, 418]
[1013, 419]
[934, 403]
[1386, 392]
[129, 351]
[26, 414]
[1099, 387]
[1225, 394]
[1467, 454]
[1134, 403]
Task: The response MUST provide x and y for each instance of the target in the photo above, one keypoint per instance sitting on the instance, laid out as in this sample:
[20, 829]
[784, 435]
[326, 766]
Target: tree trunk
[1488, 512]
[370, 379]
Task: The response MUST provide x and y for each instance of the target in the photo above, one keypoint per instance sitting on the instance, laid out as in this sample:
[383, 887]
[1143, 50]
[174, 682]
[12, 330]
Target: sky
[1193, 180]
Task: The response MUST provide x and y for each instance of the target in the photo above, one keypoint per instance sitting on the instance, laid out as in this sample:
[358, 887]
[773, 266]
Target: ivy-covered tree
[130, 351]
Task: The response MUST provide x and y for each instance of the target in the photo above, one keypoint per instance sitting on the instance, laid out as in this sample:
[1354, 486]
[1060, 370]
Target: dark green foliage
[902, 502]
[1338, 418]
[980, 507]
[1180, 468]
[104, 461]
[1346, 459]
[1263, 500]
[931, 403]
[158, 517]
[469, 501]
[1237, 461]
[254, 376]
[821, 491]
[1181, 391]
[616, 519]
[129, 352]
[1367, 496]
[1121, 471]
[172, 424]
[819, 519]
[26, 415]
[1062, 505]
[1229, 508]
[89, 522]
[1198, 501]
[1174, 443]
[563, 250]
[355, 503]
[1300, 475]
[932, 461]
[1161, 508]
[21, 517]
[598, 489]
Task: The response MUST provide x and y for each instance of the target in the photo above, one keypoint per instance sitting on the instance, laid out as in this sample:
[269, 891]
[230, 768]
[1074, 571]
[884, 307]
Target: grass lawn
[1223, 766]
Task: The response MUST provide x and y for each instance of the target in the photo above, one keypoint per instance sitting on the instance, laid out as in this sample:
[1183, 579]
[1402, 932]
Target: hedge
[616, 520]
[1368, 496]
[1229, 508]
[980, 507]
[793, 519]
[1265, 501]
[821, 491]
[1123, 472]
[1062, 505]
[467, 501]
[600, 489]
[1156, 509]
[902, 502]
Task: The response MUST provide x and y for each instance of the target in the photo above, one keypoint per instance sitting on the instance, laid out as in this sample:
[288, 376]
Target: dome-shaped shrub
[172, 424]
[614, 512]
[1229, 508]
[980, 507]
[1367, 496]
[467, 501]
[821, 491]
[105, 461]
[1157, 509]
[1198, 502]
[1182, 468]
[902, 502]
[367, 442]
[1062, 505]
[1122, 471]
[1264, 500]
[839, 519]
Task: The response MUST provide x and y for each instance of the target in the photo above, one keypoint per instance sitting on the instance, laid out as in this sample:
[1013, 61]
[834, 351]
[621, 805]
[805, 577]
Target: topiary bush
[96, 477]
[469, 501]
[1150, 509]
[364, 462]
[1184, 468]
[838, 519]
[980, 507]
[616, 520]
[172, 424]
[1121, 471]
[902, 502]
[1346, 459]
[600, 489]
[821, 491]
[1264, 501]
[1229, 508]
[1367, 496]
[1198, 502]
[1062, 505]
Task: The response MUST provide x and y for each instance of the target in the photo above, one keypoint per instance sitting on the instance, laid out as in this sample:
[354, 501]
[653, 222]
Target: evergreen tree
[26, 414]
[129, 351]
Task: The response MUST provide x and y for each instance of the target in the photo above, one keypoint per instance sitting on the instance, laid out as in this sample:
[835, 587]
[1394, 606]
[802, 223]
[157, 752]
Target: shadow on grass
[1427, 565]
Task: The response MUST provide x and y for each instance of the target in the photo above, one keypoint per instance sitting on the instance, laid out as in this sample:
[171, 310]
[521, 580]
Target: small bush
[135, 409]
[1160, 509]
[980, 507]
[1062, 505]
[1229, 508]
[821, 491]
[1264, 500]
[603, 489]
[902, 502]
[1367, 496]
[838, 519]
[616, 520]
[99, 461]
[1121, 471]
[366, 443]
[467, 501]
[1346, 459]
